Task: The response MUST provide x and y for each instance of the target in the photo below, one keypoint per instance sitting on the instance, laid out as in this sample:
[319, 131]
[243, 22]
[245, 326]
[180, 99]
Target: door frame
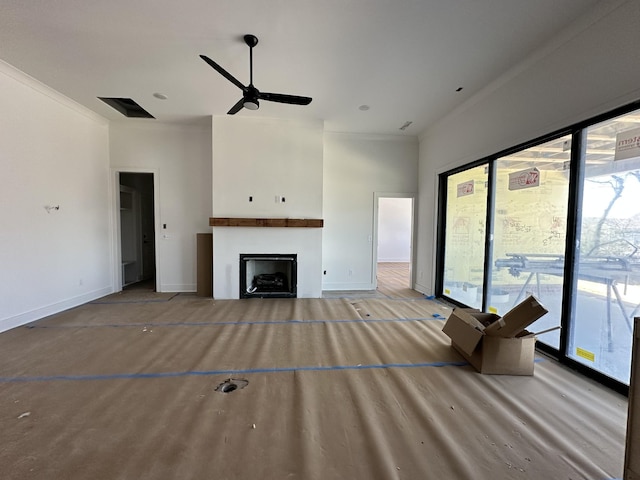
[114, 180]
[374, 244]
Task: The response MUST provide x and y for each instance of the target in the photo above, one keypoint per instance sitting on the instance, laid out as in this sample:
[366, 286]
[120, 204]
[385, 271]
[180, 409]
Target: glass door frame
[576, 177]
[441, 232]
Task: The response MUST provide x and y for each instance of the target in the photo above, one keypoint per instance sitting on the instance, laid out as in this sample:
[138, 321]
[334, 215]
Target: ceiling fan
[250, 94]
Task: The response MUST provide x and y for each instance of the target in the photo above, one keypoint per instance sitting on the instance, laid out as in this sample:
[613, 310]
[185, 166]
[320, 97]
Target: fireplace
[232, 242]
[268, 275]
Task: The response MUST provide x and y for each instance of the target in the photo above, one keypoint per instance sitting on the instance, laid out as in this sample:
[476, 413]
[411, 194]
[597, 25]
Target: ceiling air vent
[127, 107]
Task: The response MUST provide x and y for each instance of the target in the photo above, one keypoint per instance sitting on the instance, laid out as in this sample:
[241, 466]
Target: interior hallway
[394, 280]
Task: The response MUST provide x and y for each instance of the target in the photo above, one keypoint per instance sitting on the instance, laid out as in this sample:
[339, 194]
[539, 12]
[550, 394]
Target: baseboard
[346, 286]
[42, 312]
[309, 295]
[178, 288]
[421, 288]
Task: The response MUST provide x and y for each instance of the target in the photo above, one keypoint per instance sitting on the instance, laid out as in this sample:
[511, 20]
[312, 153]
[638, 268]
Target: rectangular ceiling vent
[127, 107]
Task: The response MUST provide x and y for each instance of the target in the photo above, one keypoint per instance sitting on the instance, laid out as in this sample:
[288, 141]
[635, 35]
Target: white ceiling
[403, 58]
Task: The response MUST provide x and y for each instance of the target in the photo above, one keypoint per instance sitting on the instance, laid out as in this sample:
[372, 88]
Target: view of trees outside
[608, 266]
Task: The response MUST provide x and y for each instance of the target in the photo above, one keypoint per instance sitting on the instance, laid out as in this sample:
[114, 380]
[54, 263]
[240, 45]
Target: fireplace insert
[268, 275]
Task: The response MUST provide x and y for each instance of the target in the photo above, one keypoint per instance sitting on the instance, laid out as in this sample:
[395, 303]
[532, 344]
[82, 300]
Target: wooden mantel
[266, 222]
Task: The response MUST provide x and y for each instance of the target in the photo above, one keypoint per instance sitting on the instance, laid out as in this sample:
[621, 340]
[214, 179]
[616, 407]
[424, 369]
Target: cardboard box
[493, 344]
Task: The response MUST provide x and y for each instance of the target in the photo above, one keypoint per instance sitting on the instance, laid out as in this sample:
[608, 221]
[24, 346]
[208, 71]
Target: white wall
[356, 167]
[264, 158]
[593, 67]
[52, 152]
[180, 157]
[394, 229]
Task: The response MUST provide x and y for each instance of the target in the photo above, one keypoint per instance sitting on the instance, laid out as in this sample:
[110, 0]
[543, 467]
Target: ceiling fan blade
[282, 98]
[237, 107]
[223, 72]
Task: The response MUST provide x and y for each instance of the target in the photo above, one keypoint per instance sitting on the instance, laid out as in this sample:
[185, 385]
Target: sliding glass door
[607, 291]
[530, 224]
[466, 212]
[506, 226]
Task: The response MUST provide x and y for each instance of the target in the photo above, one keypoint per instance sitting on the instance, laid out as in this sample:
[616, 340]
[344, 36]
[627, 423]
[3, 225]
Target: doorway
[137, 230]
[393, 242]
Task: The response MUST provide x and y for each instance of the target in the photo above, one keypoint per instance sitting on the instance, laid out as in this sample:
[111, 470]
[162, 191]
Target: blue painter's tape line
[215, 324]
[138, 302]
[193, 373]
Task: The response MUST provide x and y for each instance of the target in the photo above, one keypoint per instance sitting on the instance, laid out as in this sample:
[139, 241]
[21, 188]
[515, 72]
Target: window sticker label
[627, 144]
[581, 352]
[466, 188]
[524, 179]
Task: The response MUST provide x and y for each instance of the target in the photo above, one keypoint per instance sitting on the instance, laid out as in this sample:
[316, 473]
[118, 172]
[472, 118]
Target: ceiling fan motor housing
[251, 40]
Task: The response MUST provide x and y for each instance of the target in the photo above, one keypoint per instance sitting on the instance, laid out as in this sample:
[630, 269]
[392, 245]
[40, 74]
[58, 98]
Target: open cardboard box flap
[517, 319]
[463, 331]
[494, 344]
[510, 325]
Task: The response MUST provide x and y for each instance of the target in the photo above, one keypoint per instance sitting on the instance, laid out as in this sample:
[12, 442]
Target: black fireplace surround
[268, 275]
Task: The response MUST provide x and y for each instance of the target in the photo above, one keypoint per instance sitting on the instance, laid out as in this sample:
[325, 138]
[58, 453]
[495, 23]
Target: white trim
[418, 287]
[345, 286]
[299, 122]
[374, 244]
[180, 288]
[384, 137]
[116, 255]
[42, 312]
[189, 124]
[21, 77]
[115, 223]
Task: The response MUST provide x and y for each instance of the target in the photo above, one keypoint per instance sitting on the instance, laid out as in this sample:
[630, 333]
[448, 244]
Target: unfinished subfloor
[338, 388]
